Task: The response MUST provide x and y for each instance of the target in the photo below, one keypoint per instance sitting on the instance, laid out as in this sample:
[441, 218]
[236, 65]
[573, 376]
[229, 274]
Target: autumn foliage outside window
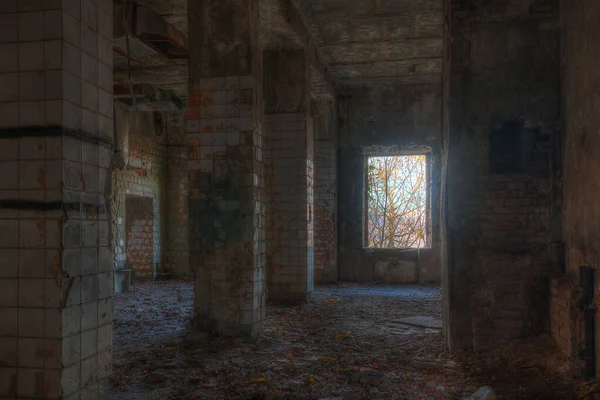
[397, 202]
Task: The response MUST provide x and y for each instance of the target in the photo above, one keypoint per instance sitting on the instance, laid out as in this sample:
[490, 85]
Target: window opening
[397, 201]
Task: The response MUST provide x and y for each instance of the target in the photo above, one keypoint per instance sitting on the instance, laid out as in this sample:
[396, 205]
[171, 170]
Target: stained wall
[392, 117]
[502, 210]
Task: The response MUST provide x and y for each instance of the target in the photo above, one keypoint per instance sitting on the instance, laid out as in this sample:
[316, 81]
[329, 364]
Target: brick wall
[144, 176]
[139, 229]
[501, 220]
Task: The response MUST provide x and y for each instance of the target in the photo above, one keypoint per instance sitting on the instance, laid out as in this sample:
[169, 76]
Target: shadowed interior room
[299, 199]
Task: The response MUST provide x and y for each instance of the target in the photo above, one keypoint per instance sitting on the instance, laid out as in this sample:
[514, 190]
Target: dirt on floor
[350, 342]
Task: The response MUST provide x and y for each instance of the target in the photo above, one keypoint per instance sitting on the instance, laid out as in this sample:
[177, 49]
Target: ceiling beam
[322, 84]
[390, 68]
[325, 11]
[382, 51]
[164, 77]
[413, 60]
[378, 41]
[391, 80]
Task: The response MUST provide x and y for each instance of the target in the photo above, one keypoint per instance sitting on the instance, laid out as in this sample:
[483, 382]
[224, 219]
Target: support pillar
[177, 250]
[290, 176]
[325, 190]
[226, 171]
[56, 133]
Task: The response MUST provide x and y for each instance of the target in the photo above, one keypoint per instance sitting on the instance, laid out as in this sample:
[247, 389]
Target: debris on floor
[530, 368]
[484, 393]
[151, 312]
[348, 343]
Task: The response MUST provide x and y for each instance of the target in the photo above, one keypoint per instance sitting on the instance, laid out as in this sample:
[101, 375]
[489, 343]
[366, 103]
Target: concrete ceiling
[149, 65]
[358, 42]
[369, 41]
[173, 11]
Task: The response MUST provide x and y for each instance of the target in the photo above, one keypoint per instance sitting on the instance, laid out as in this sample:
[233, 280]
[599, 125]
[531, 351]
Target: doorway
[139, 231]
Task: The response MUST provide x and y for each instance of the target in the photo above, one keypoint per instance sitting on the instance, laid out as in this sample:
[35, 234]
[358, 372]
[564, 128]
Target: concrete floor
[351, 342]
[151, 312]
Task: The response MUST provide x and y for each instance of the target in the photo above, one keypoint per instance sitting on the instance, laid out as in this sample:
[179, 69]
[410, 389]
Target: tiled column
[55, 148]
[289, 177]
[177, 257]
[325, 191]
[226, 172]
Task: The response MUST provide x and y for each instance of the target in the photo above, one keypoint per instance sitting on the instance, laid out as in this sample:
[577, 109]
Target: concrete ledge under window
[393, 266]
[374, 120]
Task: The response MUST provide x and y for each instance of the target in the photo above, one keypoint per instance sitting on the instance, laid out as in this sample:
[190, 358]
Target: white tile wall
[47, 78]
[289, 145]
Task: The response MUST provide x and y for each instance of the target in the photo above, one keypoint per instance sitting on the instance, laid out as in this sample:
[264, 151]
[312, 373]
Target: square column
[289, 177]
[226, 171]
[56, 137]
[325, 191]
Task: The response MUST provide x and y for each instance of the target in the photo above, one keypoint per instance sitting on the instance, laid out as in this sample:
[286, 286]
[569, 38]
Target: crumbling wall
[503, 104]
[393, 116]
[580, 80]
[144, 176]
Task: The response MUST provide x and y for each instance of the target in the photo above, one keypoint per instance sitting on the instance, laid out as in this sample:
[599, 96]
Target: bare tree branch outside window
[397, 201]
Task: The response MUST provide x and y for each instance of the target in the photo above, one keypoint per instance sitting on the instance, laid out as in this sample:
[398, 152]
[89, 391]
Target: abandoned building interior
[299, 199]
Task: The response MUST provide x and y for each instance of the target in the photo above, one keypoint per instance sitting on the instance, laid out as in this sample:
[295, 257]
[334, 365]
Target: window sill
[375, 249]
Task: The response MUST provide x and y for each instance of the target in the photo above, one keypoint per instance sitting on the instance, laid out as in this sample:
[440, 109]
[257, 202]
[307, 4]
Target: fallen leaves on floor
[353, 348]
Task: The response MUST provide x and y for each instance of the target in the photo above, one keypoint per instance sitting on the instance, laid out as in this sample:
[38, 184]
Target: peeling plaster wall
[504, 70]
[145, 177]
[400, 116]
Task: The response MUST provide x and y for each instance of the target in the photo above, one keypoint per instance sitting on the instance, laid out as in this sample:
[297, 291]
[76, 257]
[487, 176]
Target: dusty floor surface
[350, 343]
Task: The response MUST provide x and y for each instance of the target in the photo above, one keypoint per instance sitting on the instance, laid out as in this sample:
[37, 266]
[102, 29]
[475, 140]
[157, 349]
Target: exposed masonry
[290, 206]
[157, 168]
[227, 203]
[512, 216]
[143, 176]
[500, 220]
[139, 228]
